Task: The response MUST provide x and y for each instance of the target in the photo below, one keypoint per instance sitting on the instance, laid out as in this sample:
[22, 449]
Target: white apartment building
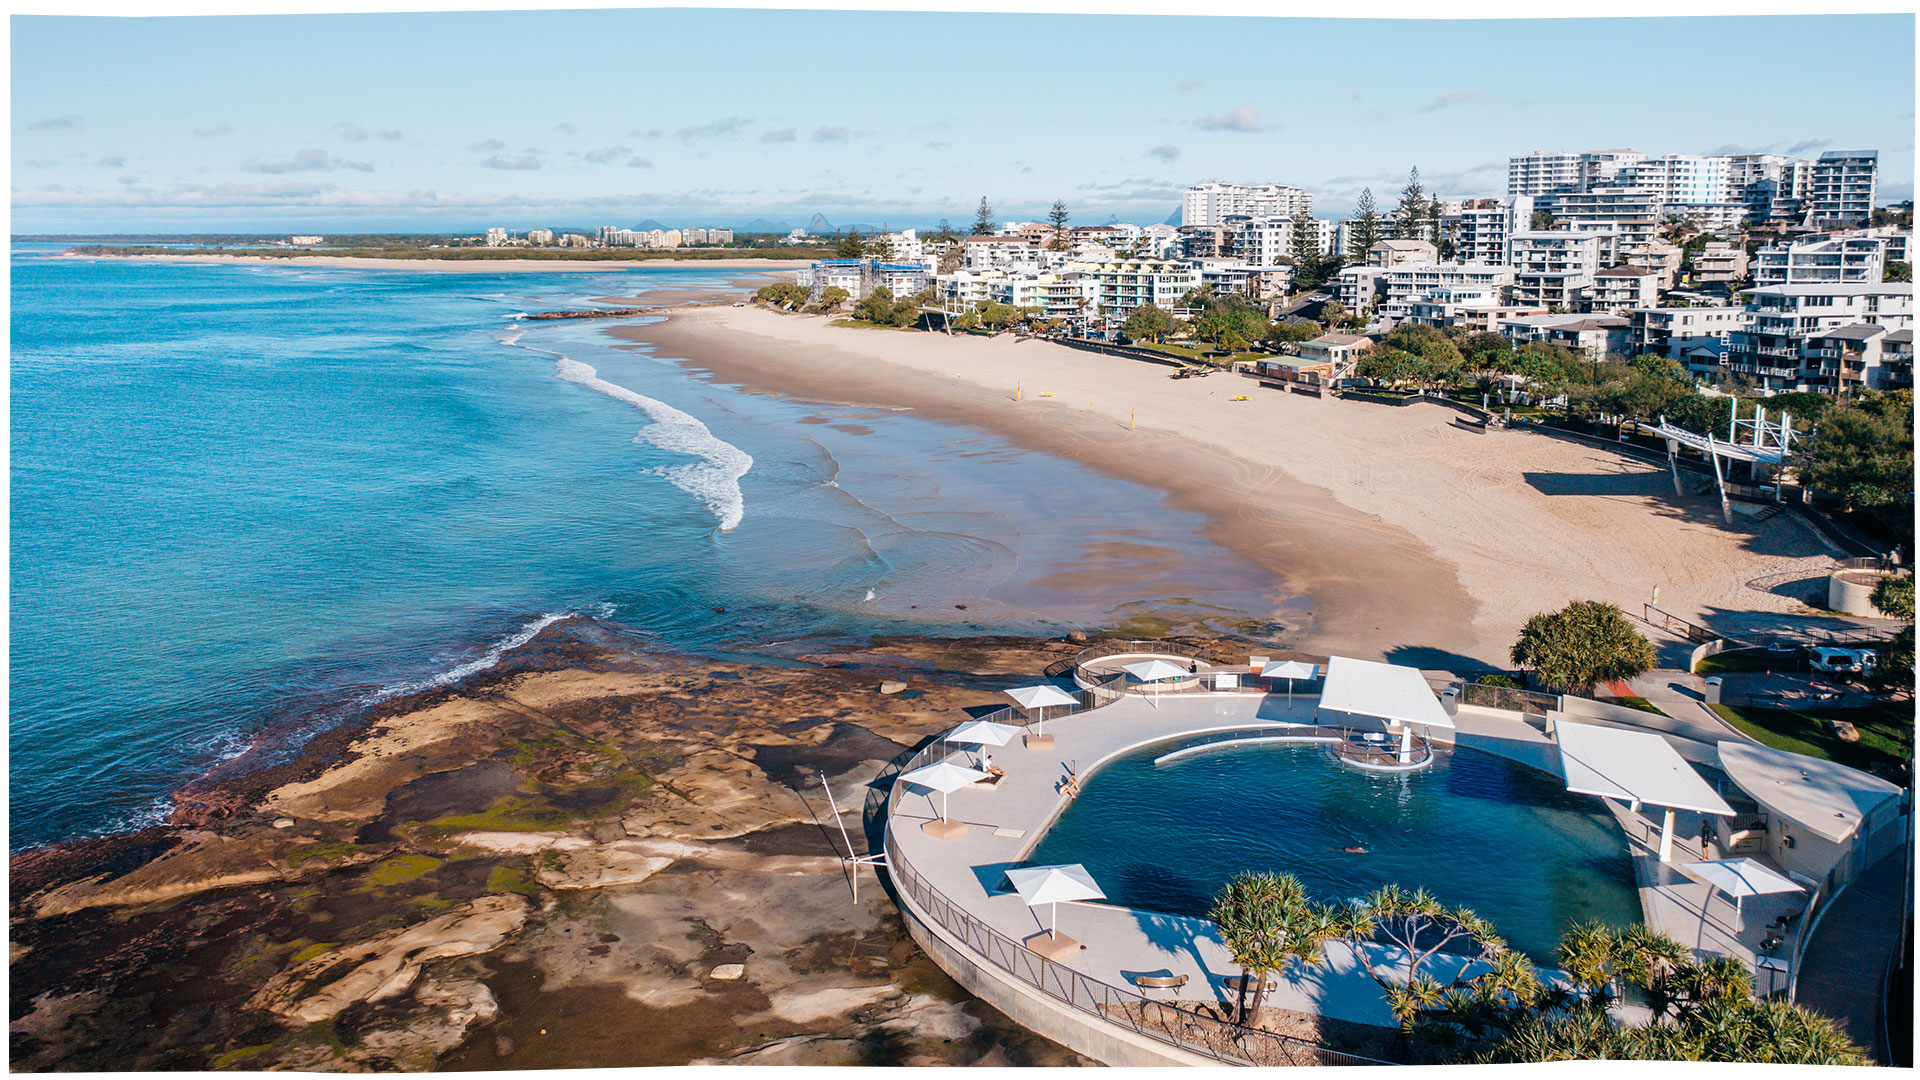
[305, 241]
[1412, 280]
[1357, 287]
[496, 237]
[1843, 259]
[1634, 212]
[539, 236]
[1619, 289]
[1554, 268]
[1685, 179]
[1210, 203]
[1786, 317]
[1695, 336]
[1485, 225]
[1119, 286]
[1601, 168]
[1844, 182]
[1719, 263]
[1268, 241]
[1541, 173]
[1656, 255]
[1470, 309]
[986, 251]
[1388, 254]
[1595, 335]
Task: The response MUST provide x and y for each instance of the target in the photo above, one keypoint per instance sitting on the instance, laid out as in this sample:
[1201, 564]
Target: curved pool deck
[1005, 822]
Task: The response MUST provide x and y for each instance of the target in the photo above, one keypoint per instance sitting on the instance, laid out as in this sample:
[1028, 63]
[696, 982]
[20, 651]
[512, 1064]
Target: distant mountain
[819, 224]
[1173, 218]
[761, 224]
[648, 226]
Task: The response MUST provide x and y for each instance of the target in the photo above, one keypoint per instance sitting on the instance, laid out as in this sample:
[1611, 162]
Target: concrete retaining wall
[1850, 592]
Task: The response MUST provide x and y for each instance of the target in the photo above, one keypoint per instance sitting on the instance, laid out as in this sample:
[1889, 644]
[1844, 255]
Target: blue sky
[577, 118]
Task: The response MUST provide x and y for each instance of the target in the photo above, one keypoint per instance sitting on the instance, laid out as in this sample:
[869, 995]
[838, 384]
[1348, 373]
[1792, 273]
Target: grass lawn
[1638, 703]
[1753, 660]
[1203, 354]
[1886, 731]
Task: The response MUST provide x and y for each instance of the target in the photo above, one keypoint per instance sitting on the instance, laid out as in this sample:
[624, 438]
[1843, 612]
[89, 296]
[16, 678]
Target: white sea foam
[604, 610]
[472, 667]
[714, 479]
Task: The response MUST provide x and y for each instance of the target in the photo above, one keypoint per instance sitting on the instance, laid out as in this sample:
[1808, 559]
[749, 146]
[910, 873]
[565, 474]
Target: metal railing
[1356, 748]
[1175, 1025]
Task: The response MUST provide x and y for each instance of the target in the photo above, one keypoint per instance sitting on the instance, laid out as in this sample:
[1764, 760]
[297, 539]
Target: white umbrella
[1291, 670]
[944, 777]
[1154, 671]
[979, 733]
[1039, 697]
[1742, 877]
[1052, 884]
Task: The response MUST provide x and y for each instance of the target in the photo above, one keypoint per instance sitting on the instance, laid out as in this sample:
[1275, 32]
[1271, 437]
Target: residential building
[1595, 335]
[1469, 307]
[1412, 280]
[1634, 212]
[1844, 182]
[1720, 263]
[1602, 168]
[1553, 268]
[1896, 353]
[1898, 240]
[1119, 286]
[1680, 179]
[1210, 203]
[305, 241]
[496, 237]
[1485, 225]
[1656, 255]
[1694, 336]
[1785, 317]
[1854, 259]
[1541, 173]
[540, 236]
[1846, 358]
[1618, 289]
[984, 251]
[1391, 253]
[1358, 287]
[1206, 241]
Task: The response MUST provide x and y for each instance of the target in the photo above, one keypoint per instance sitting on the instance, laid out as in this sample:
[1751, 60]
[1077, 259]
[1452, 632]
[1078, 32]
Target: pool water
[1475, 829]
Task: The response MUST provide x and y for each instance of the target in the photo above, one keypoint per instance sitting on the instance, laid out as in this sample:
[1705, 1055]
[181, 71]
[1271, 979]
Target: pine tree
[1409, 220]
[1365, 230]
[983, 223]
[1306, 243]
[1434, 232]
[1058, 218]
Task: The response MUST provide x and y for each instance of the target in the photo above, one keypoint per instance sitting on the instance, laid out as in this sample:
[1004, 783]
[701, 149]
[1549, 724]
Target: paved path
[1847, 959]
[1681, 695]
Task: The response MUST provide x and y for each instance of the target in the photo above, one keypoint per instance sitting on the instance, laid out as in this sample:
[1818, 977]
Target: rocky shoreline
[591, 857]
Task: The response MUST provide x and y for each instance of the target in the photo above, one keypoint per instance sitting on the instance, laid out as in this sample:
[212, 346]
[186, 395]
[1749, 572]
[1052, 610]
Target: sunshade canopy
[982, 733]
[943, 776]
[1041, 697]
[1389, 692]
[1155, 670]
[1054, 884]
[1743, 877]
[1289, 669]
[1633, 766]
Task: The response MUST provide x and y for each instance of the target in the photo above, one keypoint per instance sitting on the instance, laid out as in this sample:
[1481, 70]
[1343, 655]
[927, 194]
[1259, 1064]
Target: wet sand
[1373, 590]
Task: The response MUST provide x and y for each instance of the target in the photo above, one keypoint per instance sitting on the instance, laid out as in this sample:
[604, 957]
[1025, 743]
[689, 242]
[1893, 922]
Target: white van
[1842, 661]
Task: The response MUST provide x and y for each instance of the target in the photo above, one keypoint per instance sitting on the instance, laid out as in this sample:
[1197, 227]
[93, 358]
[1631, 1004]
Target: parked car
[1836, 661]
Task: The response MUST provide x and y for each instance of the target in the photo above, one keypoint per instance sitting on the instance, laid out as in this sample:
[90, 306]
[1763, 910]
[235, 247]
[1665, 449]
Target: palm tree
[1269, 924]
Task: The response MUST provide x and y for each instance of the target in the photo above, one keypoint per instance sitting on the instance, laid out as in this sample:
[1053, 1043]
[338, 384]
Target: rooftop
[1825, 797]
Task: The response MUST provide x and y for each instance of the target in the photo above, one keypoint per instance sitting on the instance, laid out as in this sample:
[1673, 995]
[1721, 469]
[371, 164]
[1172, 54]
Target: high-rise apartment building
[1209, 203]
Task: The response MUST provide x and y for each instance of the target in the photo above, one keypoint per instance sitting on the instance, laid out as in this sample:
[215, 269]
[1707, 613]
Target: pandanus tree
[1269, 924]
[1447, 967]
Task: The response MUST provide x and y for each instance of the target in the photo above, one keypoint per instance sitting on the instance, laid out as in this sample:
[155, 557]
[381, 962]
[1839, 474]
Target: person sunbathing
[1070, 786]
[995, 771]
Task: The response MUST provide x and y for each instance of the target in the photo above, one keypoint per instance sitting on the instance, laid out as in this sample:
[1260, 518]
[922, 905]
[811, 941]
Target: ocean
[254, 501]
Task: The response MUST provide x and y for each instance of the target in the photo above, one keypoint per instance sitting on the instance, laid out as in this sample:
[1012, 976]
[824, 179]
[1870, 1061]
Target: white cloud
[516, 162]
[308, 161]
[56, 123]
[1240, 118]
[834, 134]
[1165, 152]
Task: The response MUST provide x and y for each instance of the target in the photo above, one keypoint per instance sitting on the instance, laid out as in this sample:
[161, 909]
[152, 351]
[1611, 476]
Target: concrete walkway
[1681, 695]
[1843, 971]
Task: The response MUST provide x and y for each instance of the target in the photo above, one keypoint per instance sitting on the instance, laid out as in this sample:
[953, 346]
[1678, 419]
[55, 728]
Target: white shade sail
[943, 776]
[982, 733]
[1398, 695]
[1740, 878]
[1156, 670]
[1289, 669]
[1632, 766]
[1041, 697]
[1054, 884]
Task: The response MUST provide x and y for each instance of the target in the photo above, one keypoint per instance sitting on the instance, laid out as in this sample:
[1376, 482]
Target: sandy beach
[1414, 540]
[469, 266]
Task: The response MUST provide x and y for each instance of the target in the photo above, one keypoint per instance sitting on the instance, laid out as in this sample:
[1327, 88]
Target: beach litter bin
[1450, 699]
[1713, 690]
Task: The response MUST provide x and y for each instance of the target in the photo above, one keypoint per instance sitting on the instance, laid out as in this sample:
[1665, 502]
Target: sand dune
[1414, 539]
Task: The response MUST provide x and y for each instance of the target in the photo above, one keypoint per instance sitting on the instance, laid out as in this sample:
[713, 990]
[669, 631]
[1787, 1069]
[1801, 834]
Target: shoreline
[1258, 512]
[470, 266]
[1416, 542]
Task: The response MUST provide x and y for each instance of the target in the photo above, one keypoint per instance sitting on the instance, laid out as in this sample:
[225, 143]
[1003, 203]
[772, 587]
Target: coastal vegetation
[1583, 644]
[1491, 1006]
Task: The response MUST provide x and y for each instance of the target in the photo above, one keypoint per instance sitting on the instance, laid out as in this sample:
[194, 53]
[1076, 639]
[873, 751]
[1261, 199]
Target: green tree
[1487, 992]
[849, 246]
[1585, 643]
[832, 297]
[1893, 597]
[1147, 323]
[1334, 314]
[1863, 452]
[1364, 229]
[1434, 232]
[877, 307]
[781, 294]
[1392, 366]
[1294, 329]
[1058, 218]
[1269, 924]
[983, 223]
[1409, 221]
[1306, 243]
[1897, 271]
[946, 235]
[1542, 219]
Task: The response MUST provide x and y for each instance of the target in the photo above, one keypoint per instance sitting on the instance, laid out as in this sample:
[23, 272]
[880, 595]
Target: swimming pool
[1476, 830]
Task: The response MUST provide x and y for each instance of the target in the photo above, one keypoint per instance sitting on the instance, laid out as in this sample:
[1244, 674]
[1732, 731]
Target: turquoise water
[1477, 830]
[251, 501]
